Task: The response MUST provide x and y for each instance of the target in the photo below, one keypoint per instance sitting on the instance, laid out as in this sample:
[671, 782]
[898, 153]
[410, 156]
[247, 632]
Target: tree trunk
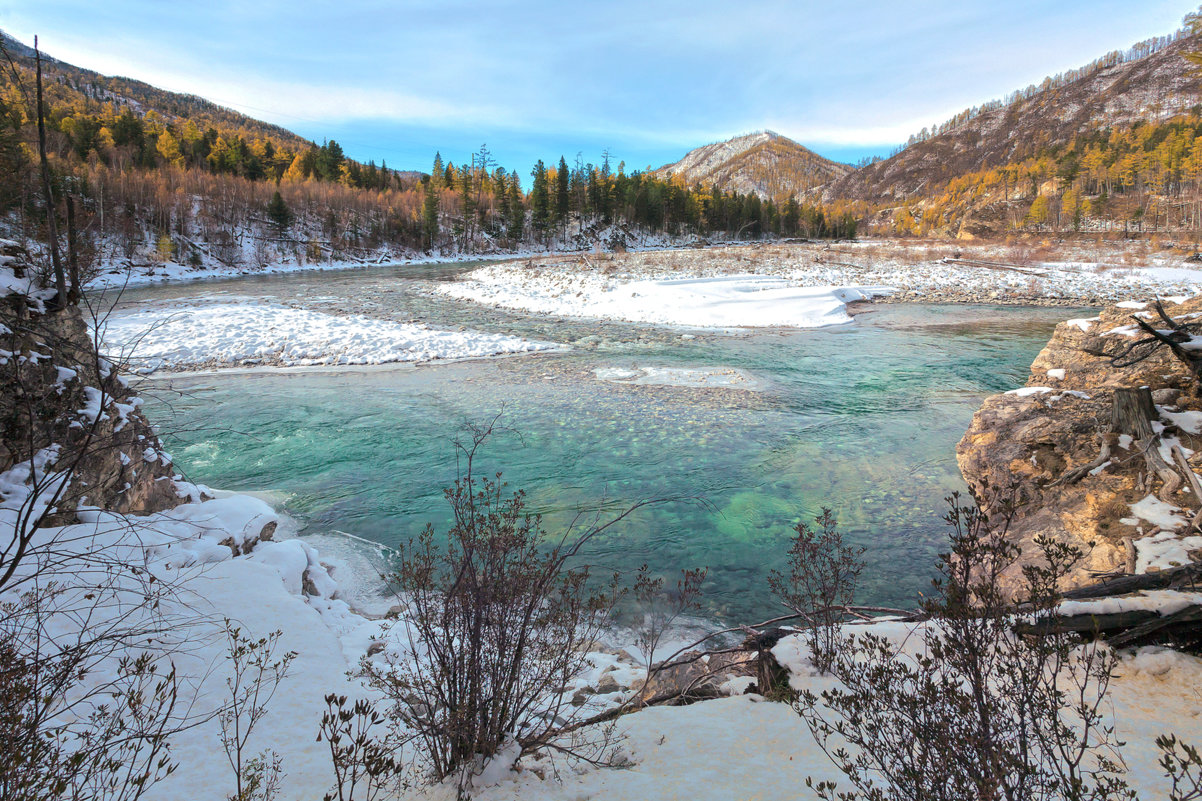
[76, 290]
[60, 281]
[1133, 413]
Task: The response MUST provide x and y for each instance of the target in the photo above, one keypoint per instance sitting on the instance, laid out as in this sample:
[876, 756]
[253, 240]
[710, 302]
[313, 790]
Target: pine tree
[430, 213]
[467, 203]
[517, 212]
[437, 172]
[278, 213]
[540, 202]
[561, 194]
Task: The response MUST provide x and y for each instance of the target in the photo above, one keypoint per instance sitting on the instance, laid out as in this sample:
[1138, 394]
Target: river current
[861, 418]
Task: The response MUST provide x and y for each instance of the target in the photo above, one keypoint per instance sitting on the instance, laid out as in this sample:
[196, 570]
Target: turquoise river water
[862, 418]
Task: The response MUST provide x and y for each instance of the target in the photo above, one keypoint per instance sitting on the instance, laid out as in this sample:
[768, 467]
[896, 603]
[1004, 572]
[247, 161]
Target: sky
[645, 80]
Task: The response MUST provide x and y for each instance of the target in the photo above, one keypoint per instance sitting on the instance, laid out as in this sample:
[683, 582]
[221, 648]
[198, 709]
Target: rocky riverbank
[617, 285]
[1056, 449]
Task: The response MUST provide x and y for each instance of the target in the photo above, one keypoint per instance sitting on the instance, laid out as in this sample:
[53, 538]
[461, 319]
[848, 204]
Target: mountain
[766, 164]
[967, 171]
[88, 88]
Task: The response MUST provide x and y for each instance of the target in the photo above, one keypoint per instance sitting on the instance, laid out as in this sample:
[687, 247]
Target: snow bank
[738, 301]
[228, 335]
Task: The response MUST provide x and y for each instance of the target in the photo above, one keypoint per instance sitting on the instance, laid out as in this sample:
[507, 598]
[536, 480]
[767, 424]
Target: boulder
[1019, 445]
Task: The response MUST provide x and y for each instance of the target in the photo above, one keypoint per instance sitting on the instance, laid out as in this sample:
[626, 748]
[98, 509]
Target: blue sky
[646, 79]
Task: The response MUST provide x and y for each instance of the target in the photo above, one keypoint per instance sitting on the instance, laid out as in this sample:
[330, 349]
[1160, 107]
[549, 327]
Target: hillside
[126, 93]
[981, 172]
[766, 164]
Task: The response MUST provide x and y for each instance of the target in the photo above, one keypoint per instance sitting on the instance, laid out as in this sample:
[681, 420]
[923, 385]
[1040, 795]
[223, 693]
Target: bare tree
[820, 585]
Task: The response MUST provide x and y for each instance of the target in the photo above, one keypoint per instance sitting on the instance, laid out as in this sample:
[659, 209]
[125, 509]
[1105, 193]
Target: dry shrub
[975, 709]
[493, 624]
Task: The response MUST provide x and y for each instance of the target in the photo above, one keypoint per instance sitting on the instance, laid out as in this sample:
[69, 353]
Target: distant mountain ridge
[1148, 89]
[766, 164]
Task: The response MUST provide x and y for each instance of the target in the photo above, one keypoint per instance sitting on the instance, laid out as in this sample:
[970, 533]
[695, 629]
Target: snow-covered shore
[737, 747]
[776, 284]
[738, 301]
[239, 335]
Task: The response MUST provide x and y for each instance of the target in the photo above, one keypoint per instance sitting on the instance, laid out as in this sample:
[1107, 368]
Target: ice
[227, 335]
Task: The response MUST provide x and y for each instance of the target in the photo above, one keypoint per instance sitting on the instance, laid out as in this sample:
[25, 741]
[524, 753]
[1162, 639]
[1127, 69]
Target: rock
[1165, 397]
[581, 696]
[376, 647]
[1029, 442]
[116, 454]
[695, 680]
[607, 685]
[268, 531]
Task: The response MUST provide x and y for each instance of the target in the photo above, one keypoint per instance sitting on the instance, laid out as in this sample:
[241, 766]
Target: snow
[1157, 512]
[1024, 392]
[697, 377]
[736, 747]
[739, 301]
[1164, 550]
[1057, 373]
[230, 335]
[1189, 422]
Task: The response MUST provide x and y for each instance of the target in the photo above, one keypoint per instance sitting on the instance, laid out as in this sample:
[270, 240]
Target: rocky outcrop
[66, 408]
[1021, 444]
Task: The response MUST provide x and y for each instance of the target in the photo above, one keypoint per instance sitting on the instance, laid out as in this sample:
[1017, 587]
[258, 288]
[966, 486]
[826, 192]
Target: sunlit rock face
[1021, 442]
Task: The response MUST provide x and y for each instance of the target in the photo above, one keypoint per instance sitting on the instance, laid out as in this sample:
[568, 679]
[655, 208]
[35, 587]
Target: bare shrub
[365, 766]
[662, 608]
[255, 675]
[974, 710]
[69, 734]
[1183, 766]
[493, 625]
[820, 585]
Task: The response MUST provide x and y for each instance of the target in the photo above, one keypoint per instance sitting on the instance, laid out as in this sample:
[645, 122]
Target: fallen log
[1087, 624]
[1185, 577]
[1180, 625]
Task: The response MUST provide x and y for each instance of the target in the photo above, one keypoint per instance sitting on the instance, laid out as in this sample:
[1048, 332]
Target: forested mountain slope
[1110, 146]
[158, 177]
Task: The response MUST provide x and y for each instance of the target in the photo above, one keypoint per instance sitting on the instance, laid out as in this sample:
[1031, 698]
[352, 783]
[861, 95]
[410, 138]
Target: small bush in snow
[493, 627]
[820, 585]
[969, 708]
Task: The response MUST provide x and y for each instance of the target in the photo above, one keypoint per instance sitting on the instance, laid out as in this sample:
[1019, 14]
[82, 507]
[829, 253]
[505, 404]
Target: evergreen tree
[540, 202]
[278, 213]
[437, 172]
[430, 213]
[517, 212]
[467, 202]
[561, 194]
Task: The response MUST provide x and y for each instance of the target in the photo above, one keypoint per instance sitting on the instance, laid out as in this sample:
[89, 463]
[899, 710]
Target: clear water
[862, 418]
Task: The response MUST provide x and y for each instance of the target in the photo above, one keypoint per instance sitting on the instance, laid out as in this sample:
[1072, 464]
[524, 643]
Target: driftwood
[994, 265]
[1080, 472]
[1186, 577]
[1136, 627]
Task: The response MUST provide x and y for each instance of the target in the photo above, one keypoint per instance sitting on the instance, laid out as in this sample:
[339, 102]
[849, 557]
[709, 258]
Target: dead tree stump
[1132, 413]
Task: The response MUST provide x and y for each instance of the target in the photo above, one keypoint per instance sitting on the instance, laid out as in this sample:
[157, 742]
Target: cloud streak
[651, 78]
